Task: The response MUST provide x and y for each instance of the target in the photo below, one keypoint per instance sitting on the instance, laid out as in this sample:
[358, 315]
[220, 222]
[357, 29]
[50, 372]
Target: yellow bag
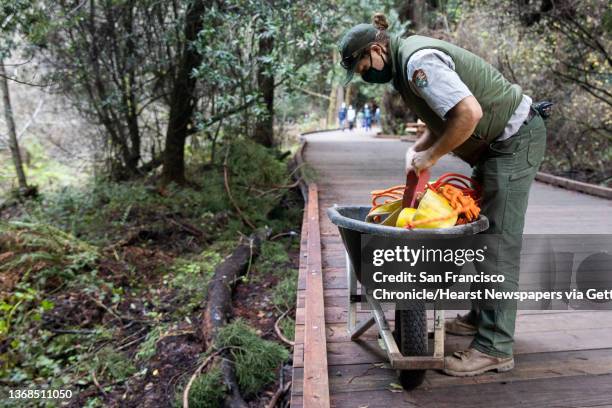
[434, 206]
[390, 209]
[405, 217]
[431, 206]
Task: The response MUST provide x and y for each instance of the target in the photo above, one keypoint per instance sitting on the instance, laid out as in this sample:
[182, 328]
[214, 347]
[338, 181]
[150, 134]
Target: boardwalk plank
[316, 388]
[563, 358]
[367, 377]
[576, 391]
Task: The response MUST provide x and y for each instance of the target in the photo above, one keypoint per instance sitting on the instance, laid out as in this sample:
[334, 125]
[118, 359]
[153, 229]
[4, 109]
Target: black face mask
[378, 76]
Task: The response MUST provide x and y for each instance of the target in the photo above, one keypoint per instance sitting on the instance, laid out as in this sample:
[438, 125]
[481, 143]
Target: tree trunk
[183, 100]
[219, 311]
[348, 95]
[264, 128]
[129, 99]
[339, 96]
[10, 123]
[413, 11]
[332, 108]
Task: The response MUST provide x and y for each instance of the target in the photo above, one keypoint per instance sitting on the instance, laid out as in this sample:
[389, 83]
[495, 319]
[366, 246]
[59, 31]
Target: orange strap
[391, 193]
[466, 184]
[462, 193]
[463, 205]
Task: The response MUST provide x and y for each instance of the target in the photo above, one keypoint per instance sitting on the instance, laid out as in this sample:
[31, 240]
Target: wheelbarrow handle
[415, 184]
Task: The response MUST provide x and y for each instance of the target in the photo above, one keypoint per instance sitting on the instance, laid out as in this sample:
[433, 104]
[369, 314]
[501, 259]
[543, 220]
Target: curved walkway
[564, 358]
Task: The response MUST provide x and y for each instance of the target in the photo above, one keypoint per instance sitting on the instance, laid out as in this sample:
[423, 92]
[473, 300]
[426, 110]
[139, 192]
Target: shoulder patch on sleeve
[419, 78]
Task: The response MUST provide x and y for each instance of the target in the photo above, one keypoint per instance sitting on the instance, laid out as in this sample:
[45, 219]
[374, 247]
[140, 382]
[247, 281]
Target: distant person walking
[367, 112]
[360, 119]
[377, 116]
[342, 116]
[350, 116]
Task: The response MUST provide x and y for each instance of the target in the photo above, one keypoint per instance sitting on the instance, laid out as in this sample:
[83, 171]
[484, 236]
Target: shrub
[255, 359]
[207, 391]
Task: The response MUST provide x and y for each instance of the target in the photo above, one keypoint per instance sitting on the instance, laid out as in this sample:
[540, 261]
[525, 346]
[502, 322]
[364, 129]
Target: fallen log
[219, 306]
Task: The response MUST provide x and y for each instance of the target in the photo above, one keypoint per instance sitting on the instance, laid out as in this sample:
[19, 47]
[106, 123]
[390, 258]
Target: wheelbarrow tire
[411, 337]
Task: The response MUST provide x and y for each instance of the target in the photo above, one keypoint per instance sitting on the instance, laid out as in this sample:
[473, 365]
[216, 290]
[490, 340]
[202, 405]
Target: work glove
[409, 157]
[418, 161]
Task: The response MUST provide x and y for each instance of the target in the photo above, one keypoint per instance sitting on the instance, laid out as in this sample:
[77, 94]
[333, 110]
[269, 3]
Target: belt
[532, 113]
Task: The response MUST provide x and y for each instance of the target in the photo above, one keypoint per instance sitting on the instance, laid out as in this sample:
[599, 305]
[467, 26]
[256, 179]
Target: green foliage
[190, 277]
[41, 170]
[89, 211]
[45, 259]
[287, 326]
[253, 175]
[299, 31]
[44, 236]
[145, 39]
[44, 242]
[207, 391]
[147, 348]
[113, 97]
[98, 212]
[285, 293]
[194, 272]
[273, 258]
[557, 55]
[111, 365]
[64, 251]
[15, 16]
[255, 359]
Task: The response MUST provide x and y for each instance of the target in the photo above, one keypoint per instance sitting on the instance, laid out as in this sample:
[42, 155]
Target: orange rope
[462, 193]
[460, 182]
[393, 193]
[465, 204]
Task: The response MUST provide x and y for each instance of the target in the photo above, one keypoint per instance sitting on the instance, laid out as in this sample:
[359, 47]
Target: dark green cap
[352, 46]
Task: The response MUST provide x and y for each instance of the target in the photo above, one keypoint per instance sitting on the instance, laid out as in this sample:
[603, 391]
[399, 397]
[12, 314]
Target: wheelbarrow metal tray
[351, 225]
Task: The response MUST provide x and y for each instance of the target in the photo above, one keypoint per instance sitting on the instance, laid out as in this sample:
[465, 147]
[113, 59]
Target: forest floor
[102, 290]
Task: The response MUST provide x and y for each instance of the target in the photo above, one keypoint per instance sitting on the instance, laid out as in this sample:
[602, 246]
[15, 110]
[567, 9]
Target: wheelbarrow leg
[391, 347]
[355, 330]
[352, 286]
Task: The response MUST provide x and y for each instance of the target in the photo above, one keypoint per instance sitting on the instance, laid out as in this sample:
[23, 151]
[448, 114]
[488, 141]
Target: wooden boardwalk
[563, 358]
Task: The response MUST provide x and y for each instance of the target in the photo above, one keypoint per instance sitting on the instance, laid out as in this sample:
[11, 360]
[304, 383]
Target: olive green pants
[505, 173]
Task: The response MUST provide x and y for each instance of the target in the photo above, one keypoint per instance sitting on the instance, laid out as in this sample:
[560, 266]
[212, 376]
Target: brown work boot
[472, 362]
[460, 326]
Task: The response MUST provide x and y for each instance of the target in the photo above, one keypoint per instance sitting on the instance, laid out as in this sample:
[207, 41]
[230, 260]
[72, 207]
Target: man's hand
[418, 161]
[419, 156]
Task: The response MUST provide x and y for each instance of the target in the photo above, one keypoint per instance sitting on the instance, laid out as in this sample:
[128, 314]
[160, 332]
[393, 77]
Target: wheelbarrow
[407, 346]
